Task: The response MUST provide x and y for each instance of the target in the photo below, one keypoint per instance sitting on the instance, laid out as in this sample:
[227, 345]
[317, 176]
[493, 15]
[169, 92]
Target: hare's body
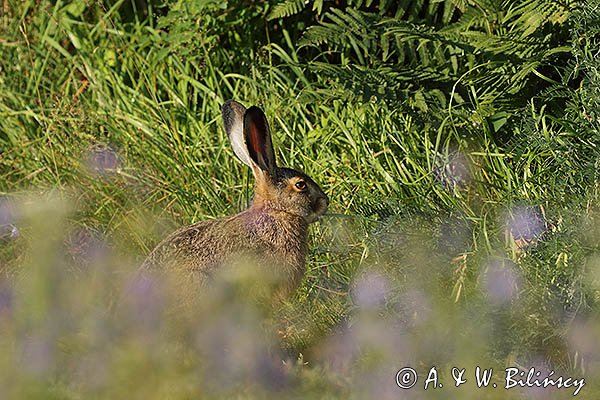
[273, 232]
[205, 246]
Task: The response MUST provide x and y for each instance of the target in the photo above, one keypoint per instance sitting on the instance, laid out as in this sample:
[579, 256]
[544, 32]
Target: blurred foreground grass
[447, 243]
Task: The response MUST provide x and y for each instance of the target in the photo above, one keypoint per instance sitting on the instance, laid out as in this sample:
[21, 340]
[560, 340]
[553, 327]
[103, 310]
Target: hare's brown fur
[273, 236]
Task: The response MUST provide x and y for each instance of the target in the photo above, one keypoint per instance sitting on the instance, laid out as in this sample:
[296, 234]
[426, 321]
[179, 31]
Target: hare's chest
[278, 231]
[281, 240]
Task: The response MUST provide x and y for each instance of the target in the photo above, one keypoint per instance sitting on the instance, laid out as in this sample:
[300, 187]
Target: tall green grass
[457, 235]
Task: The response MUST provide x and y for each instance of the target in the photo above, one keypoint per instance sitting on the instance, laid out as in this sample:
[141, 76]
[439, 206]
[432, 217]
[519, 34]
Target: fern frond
[286, 8]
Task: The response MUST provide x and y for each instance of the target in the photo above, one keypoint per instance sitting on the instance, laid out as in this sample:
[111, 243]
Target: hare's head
[282, 189]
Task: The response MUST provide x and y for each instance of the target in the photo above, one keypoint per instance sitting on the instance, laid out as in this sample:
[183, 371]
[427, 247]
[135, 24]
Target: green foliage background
[434, 126]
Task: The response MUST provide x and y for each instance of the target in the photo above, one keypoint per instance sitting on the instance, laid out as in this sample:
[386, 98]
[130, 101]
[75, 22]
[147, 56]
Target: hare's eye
[300, 185]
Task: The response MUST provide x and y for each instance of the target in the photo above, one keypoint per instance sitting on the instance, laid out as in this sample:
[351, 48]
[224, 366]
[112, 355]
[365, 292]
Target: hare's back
[198, 247]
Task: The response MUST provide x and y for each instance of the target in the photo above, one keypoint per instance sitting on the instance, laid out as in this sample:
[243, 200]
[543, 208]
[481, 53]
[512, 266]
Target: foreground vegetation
[457, 141]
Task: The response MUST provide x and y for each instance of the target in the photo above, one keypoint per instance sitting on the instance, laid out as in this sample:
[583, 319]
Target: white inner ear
[236, 138]
[233, 117]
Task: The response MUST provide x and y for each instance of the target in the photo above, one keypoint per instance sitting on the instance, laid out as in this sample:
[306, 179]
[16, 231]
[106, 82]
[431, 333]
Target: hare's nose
[322, 204]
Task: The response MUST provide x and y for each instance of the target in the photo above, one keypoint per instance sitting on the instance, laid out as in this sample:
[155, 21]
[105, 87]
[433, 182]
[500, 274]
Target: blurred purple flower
[270, 373]
[502, 281]
[371, 290]
[235, 349]
[87, 246]
[103, 160]
[525, 223]
[6, 212]
[38, 354]
[145, 302]
[6, 299]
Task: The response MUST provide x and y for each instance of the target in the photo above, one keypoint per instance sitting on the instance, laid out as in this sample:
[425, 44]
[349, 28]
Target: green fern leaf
[286, 8]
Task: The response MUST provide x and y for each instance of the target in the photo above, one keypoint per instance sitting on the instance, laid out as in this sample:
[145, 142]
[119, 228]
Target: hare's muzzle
[321, 205]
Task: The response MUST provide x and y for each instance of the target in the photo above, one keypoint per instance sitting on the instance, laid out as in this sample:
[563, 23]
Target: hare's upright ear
[258, 140]
[233, 117]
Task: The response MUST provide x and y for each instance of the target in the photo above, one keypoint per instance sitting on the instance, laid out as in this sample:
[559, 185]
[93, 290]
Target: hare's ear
[233, 117]
[258, 140]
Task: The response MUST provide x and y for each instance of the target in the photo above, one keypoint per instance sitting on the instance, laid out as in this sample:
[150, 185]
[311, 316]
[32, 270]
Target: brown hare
[273, 231]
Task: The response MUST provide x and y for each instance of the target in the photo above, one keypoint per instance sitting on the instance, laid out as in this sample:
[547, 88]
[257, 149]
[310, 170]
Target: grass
[446, 244]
